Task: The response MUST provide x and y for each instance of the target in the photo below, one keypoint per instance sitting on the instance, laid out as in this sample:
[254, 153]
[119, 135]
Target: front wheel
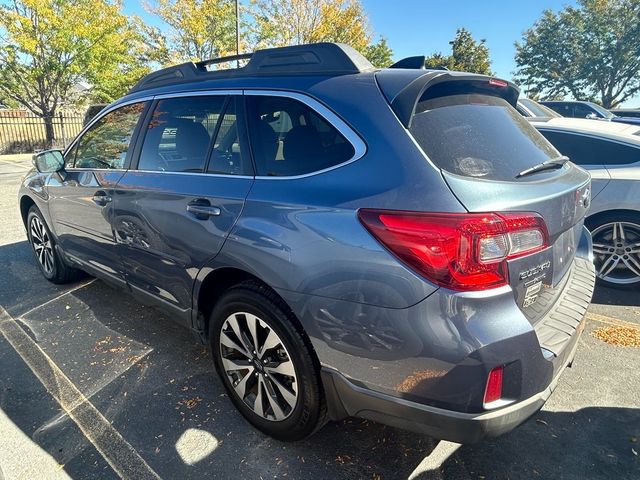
[265, 364]
[51, 264]
[616, 248]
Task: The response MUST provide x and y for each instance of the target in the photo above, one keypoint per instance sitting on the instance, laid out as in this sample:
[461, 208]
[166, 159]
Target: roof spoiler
[313, 59]
[405, 96]
[416, 62]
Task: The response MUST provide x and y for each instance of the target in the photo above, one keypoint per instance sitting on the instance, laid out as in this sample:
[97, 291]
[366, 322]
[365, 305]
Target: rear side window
[585, 150]
[106, 144]
[180, 132]
[289, 138]
[478, 136]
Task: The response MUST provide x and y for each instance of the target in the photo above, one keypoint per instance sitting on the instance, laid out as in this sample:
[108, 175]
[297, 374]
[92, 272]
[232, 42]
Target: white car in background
[611, 153]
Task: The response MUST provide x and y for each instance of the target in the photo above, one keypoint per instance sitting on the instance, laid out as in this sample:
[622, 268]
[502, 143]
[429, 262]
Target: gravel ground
[95, 385]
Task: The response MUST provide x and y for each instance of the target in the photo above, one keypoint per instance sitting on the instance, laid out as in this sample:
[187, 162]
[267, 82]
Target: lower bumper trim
[347, 399]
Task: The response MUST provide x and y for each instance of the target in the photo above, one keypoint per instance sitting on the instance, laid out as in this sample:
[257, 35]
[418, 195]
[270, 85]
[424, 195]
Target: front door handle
[202, 209]
[101, 198]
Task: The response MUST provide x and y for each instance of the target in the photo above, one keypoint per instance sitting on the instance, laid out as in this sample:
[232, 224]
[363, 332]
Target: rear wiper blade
[550, 164]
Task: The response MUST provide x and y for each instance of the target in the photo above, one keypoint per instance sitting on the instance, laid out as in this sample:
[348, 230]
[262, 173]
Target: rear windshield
[478, 136]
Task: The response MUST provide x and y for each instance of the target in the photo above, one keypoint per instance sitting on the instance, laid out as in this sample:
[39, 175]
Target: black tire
[309, 413]
[601, 228]
[54, 268]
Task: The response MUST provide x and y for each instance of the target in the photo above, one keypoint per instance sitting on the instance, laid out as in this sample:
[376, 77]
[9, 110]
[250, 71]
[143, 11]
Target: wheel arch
[26, 202]
[596, 217]
[216, 281]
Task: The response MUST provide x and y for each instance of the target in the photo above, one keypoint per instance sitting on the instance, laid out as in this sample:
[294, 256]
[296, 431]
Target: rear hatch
[467, 126]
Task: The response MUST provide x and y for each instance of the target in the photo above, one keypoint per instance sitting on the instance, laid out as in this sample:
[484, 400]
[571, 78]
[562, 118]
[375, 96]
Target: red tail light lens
[493, 391]
[496, 82]
[458, 251]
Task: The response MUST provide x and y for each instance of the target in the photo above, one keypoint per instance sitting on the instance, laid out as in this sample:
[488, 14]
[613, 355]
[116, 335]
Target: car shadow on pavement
[591, 443]
[617, 296]
[156, 386]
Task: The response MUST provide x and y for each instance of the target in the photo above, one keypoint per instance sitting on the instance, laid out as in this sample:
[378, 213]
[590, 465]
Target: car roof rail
[327, 59]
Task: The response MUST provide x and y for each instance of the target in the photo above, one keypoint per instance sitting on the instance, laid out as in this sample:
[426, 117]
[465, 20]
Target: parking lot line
[610, 320]
[116, 451]
[58, 297]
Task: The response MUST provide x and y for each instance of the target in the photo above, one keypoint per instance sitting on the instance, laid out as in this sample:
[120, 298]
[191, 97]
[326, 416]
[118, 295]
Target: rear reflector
[493, 391]
[460, 251]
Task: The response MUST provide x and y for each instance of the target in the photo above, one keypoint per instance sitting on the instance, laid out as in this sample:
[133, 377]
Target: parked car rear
[399, 245]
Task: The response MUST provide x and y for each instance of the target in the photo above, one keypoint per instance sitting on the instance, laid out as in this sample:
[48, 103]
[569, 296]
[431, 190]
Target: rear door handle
[202, 209]
[101, 198]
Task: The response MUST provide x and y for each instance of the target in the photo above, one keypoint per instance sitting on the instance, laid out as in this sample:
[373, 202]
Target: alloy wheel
[42, 245]
[258, 366]
[616, 247]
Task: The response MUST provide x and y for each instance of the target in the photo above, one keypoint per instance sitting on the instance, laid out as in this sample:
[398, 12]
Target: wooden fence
[23, 132]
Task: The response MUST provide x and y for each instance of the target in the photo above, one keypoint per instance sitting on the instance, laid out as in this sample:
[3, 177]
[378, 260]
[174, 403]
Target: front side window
[585, 150]
[106, 143]
[288, 138]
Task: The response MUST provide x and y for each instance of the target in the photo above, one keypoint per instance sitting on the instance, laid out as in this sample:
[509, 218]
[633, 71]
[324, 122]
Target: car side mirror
[49, 161]
[592, 116]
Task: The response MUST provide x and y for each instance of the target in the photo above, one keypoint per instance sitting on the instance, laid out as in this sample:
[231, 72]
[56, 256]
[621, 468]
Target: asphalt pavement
[96, 385]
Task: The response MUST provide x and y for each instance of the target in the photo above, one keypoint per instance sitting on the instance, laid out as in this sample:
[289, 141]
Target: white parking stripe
[67, 292]
[117, 452]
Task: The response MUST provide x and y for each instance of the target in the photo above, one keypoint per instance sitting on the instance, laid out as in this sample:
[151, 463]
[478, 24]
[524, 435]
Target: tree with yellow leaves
[198, 29]
[48, 46]
[293, 22]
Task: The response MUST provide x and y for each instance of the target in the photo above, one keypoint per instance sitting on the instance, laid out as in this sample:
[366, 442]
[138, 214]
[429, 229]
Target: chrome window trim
[225, 175]
[359, 146]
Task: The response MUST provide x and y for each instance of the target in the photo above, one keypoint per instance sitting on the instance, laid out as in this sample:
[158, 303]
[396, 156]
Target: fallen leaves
[619, 335]
[190, 402]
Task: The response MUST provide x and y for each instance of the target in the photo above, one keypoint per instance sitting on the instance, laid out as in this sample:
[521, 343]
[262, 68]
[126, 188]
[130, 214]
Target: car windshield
[478, 136]
[601, 110]
[537, 109]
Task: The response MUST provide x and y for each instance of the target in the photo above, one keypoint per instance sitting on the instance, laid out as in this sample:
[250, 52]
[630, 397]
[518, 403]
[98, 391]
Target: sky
[415, 27]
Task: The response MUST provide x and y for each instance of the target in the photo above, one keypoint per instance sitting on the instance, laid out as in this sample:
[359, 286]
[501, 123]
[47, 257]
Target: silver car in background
[611, 153]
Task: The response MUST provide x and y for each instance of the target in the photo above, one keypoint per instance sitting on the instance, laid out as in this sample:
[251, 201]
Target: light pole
[238, 32]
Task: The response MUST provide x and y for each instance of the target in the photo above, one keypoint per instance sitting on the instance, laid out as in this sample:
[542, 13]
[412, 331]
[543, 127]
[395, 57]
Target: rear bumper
[557, 338]
[348, 399]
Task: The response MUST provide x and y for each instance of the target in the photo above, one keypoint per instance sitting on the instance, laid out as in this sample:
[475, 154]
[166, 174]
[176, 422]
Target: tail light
[493, 390]
[460, 251]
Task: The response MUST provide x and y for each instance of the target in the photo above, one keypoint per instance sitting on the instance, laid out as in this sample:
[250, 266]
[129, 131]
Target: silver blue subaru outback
[398, 244]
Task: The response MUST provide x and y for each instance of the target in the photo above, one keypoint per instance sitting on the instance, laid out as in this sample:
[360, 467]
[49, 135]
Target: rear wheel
[616, 248]
[265, 364]
[51, 264]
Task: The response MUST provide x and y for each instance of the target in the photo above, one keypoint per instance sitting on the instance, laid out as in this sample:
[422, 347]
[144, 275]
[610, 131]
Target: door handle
[203, 210]
[101, 198]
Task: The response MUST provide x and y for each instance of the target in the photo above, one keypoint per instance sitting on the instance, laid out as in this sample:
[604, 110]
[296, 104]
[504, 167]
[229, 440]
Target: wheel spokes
[632, 264]
[265, 379]
[608, 265]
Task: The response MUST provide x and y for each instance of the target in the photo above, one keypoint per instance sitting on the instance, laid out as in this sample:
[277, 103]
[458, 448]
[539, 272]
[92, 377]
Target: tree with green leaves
[590, 51]
[49, 46]
[198, 29]
[379, 53]
[467, 55]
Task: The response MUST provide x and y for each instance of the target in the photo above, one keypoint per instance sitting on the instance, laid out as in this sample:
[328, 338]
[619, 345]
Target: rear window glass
[478, 136]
